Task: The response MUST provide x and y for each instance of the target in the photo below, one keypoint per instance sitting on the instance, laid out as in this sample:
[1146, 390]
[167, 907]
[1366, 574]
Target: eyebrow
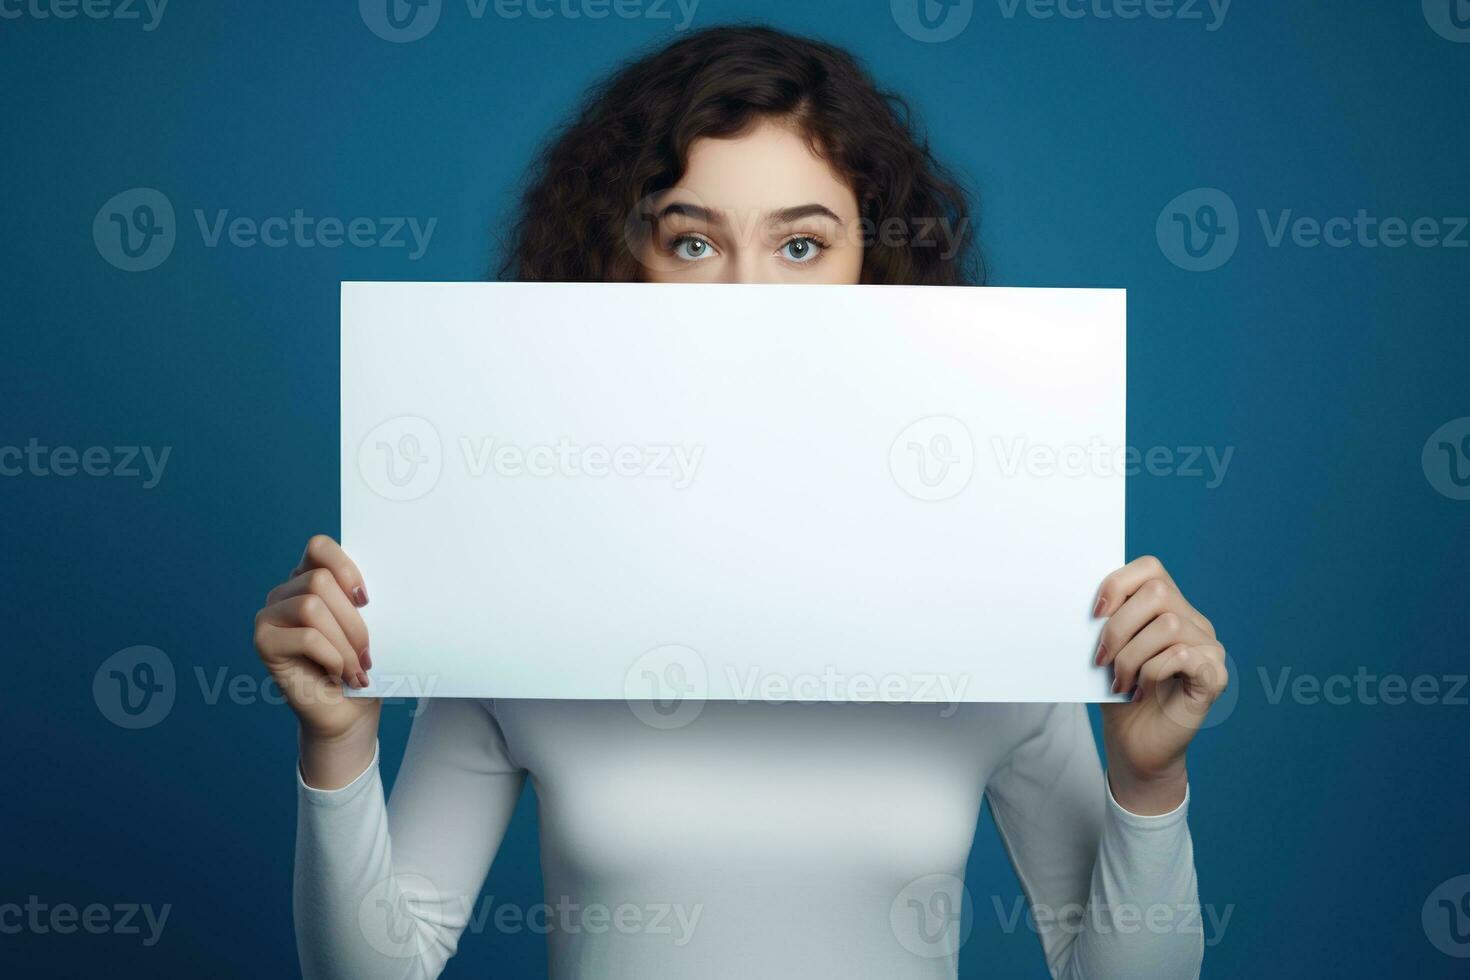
[785, 216]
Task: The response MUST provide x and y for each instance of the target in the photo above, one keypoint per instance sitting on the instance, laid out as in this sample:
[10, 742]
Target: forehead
[769, 166]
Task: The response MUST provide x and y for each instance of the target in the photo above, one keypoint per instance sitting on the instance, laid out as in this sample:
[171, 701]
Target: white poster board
[733, 492]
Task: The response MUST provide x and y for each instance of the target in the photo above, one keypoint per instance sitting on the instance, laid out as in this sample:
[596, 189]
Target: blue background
[1323, 828]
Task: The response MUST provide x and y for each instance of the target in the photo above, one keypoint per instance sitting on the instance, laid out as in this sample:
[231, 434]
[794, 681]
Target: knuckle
[1151, 563]
[1170, 623]
[312, 607]
[319, 580]
[318, 545]
[1154, 588]
[261, 635]
[320, 649]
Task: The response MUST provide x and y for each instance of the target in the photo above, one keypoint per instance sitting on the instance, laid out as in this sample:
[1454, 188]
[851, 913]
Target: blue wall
[1331, 546]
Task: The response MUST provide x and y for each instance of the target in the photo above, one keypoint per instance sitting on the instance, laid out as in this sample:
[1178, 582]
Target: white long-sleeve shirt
[758, 841]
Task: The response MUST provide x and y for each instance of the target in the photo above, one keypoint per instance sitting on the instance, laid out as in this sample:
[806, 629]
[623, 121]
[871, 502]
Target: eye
[691, 248]
[802, 249]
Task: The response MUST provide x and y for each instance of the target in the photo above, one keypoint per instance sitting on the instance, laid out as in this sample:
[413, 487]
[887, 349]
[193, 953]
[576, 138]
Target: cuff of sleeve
[1138, 820]
[342, 796]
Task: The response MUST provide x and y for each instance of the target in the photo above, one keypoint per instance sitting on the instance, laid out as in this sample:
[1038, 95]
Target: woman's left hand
[1163, 650]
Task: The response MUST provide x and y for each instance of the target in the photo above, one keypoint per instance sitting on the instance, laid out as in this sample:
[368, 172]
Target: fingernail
[1102, 654]
[1102, 605]
[367, 659]
[361, 679]
[1137, 694]
[359, 596]
[1118, 686]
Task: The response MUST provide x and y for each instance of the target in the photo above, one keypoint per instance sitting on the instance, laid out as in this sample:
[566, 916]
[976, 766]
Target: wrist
[332, 761]
[1148, 794]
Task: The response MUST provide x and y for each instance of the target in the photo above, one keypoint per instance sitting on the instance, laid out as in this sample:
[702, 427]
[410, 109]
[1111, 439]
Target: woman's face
[761, 207]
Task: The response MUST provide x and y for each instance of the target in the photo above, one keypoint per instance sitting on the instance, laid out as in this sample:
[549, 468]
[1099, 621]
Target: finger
[1201, 667]
[1123, 582]
[321, 582]
[283, 643]
[1166, 630]
[310, 611]
[1116, 589]
[322, 552]
[1152, 599]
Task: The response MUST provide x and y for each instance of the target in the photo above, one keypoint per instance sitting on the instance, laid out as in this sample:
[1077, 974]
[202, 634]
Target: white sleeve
[382, 892]
[1113, 894]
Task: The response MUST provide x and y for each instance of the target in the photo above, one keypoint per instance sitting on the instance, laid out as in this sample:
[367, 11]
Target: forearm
[1149, 795]
[1143, 914]
[330, 762]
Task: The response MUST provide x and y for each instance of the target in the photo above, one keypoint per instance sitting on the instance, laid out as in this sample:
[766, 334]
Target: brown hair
[631, 139]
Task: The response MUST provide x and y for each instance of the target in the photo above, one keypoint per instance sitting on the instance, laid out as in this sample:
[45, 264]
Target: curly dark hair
[631, 139]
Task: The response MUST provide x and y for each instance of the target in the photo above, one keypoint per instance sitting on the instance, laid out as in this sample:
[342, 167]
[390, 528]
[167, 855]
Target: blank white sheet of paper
[733, 492]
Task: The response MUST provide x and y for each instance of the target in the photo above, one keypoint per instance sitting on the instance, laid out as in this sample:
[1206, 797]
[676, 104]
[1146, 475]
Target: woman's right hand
[314, 643]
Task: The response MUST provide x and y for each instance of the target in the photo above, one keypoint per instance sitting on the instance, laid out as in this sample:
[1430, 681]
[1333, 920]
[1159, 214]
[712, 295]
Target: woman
[762, 840]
